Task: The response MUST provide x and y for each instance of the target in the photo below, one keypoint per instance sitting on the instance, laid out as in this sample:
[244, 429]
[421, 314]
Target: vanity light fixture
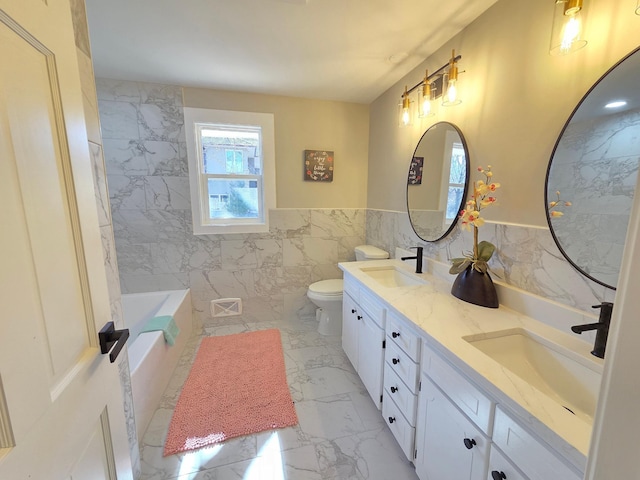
[443, 82]
[425, 95]
[566, 32]
[405, 110]
[450, 83]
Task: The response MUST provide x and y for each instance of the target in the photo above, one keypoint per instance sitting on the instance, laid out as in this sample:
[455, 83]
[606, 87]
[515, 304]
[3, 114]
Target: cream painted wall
[302, 124]
[516, 99]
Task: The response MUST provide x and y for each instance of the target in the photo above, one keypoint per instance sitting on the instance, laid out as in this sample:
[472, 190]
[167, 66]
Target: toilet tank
[369, 252]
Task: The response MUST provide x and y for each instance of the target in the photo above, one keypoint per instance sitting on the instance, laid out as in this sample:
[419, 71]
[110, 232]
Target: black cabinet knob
[469, 443]
[359, 317]
[394, 389]
[392, 419]
[395, 334]
[353, 310]
[496, 475]
[395, 361]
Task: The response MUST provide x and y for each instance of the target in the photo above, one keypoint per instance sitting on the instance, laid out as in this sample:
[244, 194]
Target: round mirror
[437, 182]
[592, 174]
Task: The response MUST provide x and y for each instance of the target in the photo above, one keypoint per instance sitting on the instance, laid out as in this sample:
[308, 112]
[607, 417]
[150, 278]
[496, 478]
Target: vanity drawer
[398, 361]
[529, 454]
[475, 404]
[403, 336]
[400, 428]
[374, 307]
[395, 390]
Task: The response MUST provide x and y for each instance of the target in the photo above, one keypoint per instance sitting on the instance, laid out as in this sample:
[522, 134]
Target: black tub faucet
[418, 259]
[602, 327]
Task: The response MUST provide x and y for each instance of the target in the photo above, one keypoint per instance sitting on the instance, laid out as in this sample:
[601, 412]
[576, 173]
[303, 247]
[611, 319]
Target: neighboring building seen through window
[230, 188]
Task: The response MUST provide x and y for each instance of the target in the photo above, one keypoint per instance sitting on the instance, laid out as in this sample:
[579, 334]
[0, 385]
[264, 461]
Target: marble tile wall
[526, 257]
[144, 146]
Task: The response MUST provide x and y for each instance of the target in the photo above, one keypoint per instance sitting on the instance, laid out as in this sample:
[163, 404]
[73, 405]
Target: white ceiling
[344, 50]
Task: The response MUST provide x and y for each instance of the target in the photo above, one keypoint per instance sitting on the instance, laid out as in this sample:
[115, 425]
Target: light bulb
[405, 116]
[452, 92]
[570, 33]
[426, 107]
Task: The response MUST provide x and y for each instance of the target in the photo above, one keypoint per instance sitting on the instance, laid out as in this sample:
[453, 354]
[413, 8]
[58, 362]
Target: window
[453, 177]
[231, 170]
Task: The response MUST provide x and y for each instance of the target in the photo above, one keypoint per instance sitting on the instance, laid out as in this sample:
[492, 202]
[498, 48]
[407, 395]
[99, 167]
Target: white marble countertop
[444, 320]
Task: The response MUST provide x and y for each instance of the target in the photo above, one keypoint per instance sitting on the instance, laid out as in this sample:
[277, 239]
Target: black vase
[475, 287]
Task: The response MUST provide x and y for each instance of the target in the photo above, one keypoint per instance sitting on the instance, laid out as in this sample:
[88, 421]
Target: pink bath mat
[237, 386]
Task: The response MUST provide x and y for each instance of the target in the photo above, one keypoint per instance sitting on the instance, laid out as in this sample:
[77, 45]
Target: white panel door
[61, 412]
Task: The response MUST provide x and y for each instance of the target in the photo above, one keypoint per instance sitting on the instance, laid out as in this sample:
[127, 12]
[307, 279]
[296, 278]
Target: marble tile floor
[340, 435]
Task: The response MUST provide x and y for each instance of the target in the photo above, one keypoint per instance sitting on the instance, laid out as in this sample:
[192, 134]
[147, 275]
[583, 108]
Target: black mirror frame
[466, 183]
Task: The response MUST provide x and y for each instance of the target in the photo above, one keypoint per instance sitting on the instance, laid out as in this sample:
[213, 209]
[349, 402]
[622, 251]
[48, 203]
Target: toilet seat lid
[327, 287]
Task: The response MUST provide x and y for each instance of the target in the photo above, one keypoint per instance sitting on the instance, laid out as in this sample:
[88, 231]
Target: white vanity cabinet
[401, 373]
[363, 322]
[447, 419]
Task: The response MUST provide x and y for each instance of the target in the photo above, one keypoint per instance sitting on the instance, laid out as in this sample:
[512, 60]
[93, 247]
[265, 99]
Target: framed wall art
[318, 166]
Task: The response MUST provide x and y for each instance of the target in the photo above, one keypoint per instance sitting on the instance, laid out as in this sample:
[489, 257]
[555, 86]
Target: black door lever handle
[112, 340]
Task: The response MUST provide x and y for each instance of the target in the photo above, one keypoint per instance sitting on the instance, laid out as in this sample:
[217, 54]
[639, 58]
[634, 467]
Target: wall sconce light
[638, 8]
[450, 83]
[441, 83]
[405, 110]
[566, 33]
[425, 97]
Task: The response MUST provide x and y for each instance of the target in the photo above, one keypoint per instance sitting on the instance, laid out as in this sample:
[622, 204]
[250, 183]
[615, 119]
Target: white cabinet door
[350, 325]
[61, 413]
[371, 357]
[448, 445]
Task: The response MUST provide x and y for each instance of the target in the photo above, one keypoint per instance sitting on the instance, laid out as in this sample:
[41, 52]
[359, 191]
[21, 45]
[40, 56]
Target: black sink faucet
[418, 259]
[602, 327]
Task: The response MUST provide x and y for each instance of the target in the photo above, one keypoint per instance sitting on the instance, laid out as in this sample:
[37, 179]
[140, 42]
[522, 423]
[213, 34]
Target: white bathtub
[151, 360]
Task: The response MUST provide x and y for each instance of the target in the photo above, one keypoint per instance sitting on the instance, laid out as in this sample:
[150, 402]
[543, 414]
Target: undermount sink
[567, 377]
[391, 276]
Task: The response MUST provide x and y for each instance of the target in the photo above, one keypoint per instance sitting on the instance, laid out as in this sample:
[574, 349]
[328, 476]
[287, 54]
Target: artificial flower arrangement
[555, 204]
[481, 198]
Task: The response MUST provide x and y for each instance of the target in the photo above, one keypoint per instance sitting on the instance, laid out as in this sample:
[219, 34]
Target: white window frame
[202, 224]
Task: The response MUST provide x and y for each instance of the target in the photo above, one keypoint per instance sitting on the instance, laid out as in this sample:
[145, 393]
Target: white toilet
[327, 294]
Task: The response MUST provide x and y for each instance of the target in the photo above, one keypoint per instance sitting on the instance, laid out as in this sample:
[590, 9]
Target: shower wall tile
[125, 157]
[117, 90]
[163, 122]
[167, 193]
[118, 120]
[127, 192]
[166, 158]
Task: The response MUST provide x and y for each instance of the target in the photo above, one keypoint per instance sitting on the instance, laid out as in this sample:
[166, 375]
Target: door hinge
[384, 344]
[420, 386]
[415, 454]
